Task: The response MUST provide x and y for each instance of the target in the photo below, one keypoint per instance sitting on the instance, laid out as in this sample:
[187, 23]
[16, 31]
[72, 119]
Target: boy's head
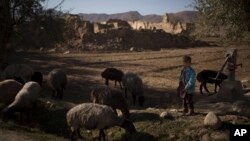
[186, 60]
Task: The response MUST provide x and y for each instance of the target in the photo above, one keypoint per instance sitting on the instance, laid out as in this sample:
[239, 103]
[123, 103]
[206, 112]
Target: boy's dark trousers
[187, 103]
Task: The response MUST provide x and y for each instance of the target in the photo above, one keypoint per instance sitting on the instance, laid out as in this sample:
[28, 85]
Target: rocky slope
[183, 16]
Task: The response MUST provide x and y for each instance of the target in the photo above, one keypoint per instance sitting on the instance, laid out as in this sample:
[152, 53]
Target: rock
[212, 121]
[219, 136]
[230, 91]
[202, 131]
[205, 137]
[247, 94]
[166, 115]
[132, 49]
[52, 50]
[244, 81]
[242, 108]
[173, 110]
[66, 52]
[41, 49]
[246, 90]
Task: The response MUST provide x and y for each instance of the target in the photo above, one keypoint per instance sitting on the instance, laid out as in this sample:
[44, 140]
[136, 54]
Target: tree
[13, 13]
[230, 19]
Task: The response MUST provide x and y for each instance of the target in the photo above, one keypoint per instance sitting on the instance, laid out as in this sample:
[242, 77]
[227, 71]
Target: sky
[117, 6]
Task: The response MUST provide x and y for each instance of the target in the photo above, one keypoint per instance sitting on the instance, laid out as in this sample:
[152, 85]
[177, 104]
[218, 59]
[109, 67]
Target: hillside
[183, 16]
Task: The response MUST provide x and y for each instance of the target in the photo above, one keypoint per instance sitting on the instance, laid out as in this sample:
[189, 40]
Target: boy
[187, 81]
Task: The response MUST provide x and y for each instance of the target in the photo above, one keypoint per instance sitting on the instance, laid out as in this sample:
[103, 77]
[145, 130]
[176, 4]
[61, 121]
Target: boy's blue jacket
[188, 77]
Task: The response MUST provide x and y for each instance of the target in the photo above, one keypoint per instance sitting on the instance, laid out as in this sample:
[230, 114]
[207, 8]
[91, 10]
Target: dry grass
[159, 71]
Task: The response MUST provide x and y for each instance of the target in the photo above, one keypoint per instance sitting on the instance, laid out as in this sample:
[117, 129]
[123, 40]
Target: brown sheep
[111, 97]
[8, 90]
[57, 81]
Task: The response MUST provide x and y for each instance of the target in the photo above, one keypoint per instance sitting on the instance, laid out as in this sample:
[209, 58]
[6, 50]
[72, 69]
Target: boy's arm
[191, 81]
[180, 77]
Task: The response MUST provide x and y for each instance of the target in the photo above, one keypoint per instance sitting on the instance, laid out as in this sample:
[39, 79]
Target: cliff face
[75, 24]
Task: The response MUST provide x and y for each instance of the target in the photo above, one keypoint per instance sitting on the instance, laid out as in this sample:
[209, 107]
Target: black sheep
[37, 77]
[112, 74]
[208, 76]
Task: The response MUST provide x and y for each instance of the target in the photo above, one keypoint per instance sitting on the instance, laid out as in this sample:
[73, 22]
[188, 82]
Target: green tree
[12, 14]
[230, 19]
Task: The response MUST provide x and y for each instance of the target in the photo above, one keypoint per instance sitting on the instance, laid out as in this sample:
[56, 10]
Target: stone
[219, 136]
[132, 49]
[242, 108]
[66, 52]
[230, 91]
[166, 115]
[52, 50]
[212, 121]
[205, 137]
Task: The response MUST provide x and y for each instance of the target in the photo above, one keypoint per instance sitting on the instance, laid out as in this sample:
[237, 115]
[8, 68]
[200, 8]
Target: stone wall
[165, 25]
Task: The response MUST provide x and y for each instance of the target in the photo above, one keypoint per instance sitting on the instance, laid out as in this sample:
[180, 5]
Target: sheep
[37, 77]
[8, 90]
[134, 85]
[95, 116]
[18, 79]
[111, 97]
[25, 99]
[57, 81]
[112, 74]
[22, 71]
[208, 76]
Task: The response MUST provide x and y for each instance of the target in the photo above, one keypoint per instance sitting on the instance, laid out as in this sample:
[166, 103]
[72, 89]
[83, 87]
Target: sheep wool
[8, 90]
[57, 81]
[26, 96]
[91, 116]
[133, 83]
[111, 97]
[19, 70]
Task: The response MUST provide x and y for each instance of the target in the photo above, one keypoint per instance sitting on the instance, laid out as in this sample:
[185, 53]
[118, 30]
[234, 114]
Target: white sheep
[57, 81]
[8, 90]
[95, 116]
[25, 99]
[22, 71]
[133, 83]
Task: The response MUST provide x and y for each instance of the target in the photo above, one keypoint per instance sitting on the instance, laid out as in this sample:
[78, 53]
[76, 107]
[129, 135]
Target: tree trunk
[6, 27]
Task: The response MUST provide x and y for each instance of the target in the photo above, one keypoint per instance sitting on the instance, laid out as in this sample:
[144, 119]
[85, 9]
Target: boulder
[212, 121]
[205, 137]
[166, 115]
[230, 91]
[242, 108]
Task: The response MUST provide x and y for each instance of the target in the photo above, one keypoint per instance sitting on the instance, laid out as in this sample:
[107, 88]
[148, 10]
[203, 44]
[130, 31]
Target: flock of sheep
[21, 89]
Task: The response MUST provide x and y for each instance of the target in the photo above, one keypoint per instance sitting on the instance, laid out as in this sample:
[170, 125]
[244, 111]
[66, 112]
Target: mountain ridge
[182, 16]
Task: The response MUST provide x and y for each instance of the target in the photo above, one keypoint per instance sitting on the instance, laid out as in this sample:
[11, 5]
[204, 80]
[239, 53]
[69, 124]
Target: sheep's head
[128, 126]
[141, 100]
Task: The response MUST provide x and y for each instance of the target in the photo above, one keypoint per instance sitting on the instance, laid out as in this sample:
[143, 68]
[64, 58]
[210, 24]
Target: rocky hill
[183, 16]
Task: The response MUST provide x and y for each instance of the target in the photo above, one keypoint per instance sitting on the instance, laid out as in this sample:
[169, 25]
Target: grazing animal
[8, 90]
[18, 79]
[25, 99]
[111, 97]
[37, 77]
[57, 81]
[95, 116]
[112, 74]
[22, 71]
[208, 76]
[133, 83]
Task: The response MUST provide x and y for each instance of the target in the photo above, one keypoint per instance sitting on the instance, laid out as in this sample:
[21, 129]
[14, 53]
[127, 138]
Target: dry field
[159, 71]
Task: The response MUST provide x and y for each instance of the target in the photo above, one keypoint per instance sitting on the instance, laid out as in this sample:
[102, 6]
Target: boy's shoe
[185, 111]
[190, 112]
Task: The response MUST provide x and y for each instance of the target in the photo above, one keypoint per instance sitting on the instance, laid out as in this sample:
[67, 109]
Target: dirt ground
[159, 71]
